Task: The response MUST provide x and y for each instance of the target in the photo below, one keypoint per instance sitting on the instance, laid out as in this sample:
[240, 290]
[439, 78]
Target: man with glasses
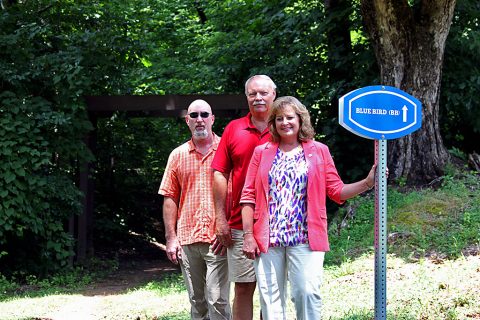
[189, 217]
[239, 139]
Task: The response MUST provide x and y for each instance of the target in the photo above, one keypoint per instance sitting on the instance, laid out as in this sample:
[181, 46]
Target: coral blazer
[323, 180]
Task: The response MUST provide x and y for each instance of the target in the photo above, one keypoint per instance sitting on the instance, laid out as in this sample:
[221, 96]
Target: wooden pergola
[167, 106]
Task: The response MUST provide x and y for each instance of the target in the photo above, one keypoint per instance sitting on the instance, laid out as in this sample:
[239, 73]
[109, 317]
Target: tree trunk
[409, 44]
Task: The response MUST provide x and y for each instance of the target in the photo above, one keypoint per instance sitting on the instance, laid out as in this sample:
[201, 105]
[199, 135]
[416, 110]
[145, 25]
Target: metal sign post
[380, 113]
[381, 230]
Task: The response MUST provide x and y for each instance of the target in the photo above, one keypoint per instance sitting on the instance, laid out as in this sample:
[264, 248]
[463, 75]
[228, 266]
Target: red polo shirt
[239, 139]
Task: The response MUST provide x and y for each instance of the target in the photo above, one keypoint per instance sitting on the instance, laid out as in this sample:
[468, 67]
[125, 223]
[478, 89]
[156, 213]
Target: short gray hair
[261, 76]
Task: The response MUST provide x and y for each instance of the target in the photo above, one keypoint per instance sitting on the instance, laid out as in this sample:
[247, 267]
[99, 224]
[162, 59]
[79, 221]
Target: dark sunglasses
[194, 115]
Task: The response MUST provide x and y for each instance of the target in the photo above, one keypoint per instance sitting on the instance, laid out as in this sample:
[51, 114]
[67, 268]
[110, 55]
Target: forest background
[54, 53]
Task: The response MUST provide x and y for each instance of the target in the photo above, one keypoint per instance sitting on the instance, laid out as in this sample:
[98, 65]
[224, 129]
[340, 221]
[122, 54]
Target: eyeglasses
[194, 115]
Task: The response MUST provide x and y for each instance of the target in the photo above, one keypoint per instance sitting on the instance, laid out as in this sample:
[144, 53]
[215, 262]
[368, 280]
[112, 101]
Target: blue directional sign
[380, 112]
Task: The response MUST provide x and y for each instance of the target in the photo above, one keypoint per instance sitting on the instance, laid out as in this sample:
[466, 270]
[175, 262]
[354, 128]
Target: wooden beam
[227, 105]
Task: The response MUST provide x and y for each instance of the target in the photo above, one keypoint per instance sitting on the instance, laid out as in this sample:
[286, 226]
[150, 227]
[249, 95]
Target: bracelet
[247, 232]
[368, 187]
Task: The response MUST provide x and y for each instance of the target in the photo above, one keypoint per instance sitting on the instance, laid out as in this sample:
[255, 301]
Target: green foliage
[6, 286]
[51, 54]
[355, 238]
[36, 186]
[460, 111]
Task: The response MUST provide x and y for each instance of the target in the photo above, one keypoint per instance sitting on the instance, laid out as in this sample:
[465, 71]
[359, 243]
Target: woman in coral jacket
[284, 213]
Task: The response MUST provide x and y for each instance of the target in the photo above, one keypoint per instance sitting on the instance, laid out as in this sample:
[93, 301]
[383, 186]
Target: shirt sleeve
[222, 161]
[334, 183]
[249, 192]
[170, 186]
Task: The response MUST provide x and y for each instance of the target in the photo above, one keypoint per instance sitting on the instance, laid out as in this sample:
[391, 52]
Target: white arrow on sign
[404, 113]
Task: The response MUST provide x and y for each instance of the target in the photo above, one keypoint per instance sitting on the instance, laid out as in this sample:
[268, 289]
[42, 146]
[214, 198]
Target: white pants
[303, 268]
[206, 279]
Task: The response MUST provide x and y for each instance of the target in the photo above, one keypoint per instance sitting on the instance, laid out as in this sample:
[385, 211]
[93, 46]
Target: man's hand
[223, 234]
[218, 248]
[174, 250]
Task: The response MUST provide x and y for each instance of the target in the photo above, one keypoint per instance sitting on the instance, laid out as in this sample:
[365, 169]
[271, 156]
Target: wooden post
[85, 219]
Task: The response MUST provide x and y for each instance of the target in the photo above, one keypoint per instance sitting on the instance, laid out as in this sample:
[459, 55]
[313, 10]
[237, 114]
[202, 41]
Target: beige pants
[206, 279]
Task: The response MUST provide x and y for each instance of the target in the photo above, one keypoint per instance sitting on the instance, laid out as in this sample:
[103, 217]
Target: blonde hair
[305, 131]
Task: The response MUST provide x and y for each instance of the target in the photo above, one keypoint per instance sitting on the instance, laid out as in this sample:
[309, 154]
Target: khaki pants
[206, 278]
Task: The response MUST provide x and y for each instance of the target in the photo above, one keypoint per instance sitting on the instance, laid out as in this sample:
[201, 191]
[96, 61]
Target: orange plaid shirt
[188, 180]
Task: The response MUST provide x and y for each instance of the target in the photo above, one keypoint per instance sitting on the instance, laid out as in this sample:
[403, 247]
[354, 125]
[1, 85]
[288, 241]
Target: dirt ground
[131, 274]
[140, 262]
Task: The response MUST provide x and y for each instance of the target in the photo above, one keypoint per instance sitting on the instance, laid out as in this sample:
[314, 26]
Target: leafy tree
[51, 54]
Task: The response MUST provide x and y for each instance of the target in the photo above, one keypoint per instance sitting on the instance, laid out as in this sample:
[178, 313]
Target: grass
[68, 281]
[420, 290]
[433, 267]
[441, 223]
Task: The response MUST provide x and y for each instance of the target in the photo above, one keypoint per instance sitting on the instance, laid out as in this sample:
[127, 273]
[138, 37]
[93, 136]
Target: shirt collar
[249, 124]
[216, 141]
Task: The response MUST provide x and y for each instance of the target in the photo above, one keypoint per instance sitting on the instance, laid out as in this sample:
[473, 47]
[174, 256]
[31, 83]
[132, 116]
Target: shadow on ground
[139, 262]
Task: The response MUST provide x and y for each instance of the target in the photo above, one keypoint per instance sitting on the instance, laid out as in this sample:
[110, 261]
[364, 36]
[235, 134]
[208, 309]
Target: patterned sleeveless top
[287, 199]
